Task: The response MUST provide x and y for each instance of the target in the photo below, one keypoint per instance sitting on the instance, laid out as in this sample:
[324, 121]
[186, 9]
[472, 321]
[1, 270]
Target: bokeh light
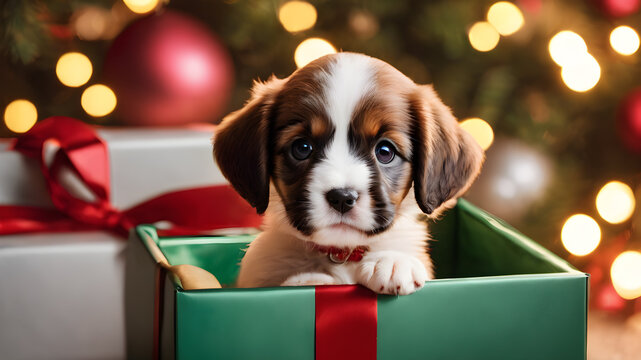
[580, 234]
[483, 36]
[515, 176]
[624, 40]
[626, 274]
[505, 17]
[566, 47]
[20, 115]
[98, 100]
[311, 49]
[480, 130]
[74, 69]
[364, 24]
[141, 6]
[583, 74]
[91, 22]
[619, 8]
[615, 202]
[297, 16]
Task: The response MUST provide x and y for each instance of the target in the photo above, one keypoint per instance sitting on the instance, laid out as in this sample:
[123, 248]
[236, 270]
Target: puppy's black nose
[342, 199]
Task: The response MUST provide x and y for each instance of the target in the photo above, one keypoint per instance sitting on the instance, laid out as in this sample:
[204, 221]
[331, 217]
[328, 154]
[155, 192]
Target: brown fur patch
[246, 163]
[289, 134]
[375, 119]
[447, 158]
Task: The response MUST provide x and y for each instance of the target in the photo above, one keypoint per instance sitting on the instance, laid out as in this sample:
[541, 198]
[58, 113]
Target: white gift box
[62, 294]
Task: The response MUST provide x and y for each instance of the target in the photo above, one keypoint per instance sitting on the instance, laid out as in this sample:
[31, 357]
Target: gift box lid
[169, 158]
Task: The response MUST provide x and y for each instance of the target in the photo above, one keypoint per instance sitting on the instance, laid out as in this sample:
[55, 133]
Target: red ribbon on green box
[346, 317]
[83, 152]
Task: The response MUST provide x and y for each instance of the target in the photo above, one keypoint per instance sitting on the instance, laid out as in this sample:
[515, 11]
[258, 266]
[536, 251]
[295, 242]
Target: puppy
[342, 157]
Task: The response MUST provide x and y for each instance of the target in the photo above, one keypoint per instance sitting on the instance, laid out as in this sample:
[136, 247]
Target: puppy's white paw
[393, 273]
[309, 279]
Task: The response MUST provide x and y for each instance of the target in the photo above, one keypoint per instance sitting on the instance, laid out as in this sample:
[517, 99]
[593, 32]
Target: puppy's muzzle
[343, 200]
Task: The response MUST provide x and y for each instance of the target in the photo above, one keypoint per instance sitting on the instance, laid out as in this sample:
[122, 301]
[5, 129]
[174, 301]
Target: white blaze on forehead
[350, 77]
[347, 81]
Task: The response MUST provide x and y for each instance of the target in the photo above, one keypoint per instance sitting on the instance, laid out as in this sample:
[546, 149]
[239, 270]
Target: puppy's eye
[301, 149]
[384, 152]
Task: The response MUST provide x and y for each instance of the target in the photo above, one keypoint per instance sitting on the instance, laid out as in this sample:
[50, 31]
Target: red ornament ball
[168, 69]
[629, 121]
[619, 8]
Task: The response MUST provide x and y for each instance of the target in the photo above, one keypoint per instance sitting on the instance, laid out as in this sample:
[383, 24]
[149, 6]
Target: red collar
[340, 255]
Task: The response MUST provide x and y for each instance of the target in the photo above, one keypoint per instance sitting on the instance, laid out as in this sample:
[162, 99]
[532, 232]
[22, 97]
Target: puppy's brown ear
[446, 159]
[241, 145]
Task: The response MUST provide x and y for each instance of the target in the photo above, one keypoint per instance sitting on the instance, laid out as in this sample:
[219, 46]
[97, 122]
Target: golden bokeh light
[483, 36]
[580, 234]
[297, 16]
[615, 202]
[311, 49]
[505, 17]
[480, 130]
[141, 6]
[626, 274]
[98, 100]
[91, 23]
[20, 115]
[624, 40]
[74, 69]
[364, 24]
[582, 74]
[566, 47]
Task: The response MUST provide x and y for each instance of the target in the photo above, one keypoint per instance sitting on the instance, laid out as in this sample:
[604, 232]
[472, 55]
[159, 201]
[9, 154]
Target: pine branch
[24, 35]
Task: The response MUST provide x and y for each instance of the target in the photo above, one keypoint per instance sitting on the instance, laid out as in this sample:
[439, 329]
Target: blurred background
[552, 90]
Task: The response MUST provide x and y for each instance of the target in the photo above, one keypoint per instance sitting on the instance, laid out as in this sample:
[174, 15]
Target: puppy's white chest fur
[395, 261]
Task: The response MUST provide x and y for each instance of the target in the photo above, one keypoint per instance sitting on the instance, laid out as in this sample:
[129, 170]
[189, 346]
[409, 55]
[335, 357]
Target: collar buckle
[339, 257]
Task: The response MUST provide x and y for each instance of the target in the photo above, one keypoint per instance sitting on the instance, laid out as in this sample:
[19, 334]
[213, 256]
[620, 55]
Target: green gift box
[497, 295]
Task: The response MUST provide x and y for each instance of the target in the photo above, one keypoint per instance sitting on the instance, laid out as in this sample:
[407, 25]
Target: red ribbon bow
[84, 154]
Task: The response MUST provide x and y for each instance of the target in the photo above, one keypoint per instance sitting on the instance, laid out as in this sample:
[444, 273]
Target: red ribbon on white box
[75, 164]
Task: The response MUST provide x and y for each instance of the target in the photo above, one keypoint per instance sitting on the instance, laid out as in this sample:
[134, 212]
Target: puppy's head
[343, 140]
